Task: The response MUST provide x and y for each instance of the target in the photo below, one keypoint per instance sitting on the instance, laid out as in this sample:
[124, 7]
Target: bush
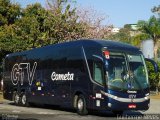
[153, 76]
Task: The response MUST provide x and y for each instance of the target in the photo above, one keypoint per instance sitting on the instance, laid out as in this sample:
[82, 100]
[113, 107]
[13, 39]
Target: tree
[9, 12]
[61, 23]
[154, 78]
[137, 39]
[123, 35]
[156, 10]
[152, 29]
[92, 22]
[30, 27]
[35, 26]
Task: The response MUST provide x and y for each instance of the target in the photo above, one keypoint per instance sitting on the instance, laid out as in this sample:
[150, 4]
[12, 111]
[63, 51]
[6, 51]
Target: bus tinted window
[116, 71]
[138, 73]
[98, 72]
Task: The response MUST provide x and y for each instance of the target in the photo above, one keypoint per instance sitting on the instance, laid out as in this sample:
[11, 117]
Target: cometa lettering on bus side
[67, 76]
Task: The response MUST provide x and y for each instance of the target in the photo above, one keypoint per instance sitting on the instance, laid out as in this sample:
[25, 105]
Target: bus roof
[109, 44]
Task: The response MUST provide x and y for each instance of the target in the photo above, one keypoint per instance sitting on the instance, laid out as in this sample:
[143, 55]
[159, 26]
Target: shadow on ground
[91, 112]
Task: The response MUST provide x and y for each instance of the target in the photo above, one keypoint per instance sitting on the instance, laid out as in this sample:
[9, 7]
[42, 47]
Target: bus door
[99, 81]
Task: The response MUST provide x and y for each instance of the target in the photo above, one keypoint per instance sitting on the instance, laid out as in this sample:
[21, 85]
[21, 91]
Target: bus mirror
[155, 66]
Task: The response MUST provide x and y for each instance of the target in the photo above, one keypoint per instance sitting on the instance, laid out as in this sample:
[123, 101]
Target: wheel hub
[80, 104]
[23, 99]
[16, 98]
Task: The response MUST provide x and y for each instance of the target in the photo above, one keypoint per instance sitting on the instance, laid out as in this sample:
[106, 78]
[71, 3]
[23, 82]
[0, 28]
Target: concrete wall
[147, 47]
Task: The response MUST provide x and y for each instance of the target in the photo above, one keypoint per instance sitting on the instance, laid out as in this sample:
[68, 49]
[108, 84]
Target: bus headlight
[109, 105]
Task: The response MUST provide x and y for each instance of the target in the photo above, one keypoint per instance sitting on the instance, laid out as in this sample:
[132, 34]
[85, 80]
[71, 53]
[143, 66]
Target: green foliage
[61, 23]
[30, 27]
[152, 29]
[123, 35]
[156, 10]
[137, 39]
[34, 26]
[9, 12]
[154, 78]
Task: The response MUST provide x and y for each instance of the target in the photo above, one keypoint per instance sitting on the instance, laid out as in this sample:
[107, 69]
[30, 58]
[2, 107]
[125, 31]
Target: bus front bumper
[127, 102]
[121, 106]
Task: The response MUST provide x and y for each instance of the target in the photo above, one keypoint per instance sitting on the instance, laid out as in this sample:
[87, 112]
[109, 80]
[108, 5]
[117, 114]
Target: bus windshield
[126, 72]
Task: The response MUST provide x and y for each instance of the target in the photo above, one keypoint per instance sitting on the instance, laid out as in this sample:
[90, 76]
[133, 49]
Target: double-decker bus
[83, 74]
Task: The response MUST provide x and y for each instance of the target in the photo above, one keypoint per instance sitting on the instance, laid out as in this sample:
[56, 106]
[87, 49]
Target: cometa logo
[67, 76]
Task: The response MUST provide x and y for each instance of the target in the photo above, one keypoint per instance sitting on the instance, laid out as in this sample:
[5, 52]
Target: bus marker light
[109, 105]
[98, 95]
[132, 106]
[97, 103]
[39, 88]
[106, 53]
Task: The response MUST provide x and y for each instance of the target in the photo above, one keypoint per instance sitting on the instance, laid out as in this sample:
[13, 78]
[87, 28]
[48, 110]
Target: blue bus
[83, 74]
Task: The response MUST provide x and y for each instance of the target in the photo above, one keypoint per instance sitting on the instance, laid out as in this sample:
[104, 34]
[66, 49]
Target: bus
[83, 75]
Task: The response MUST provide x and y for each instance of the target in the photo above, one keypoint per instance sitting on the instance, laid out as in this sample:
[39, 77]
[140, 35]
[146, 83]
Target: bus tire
[16, 98]
[75, 101]
[24, 100]
[81, 105]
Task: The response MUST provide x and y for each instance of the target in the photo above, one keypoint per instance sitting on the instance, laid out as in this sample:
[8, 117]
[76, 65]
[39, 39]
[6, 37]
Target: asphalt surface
[8, 111]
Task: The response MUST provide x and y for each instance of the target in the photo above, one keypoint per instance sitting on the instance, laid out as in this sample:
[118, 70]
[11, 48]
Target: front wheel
[81, 105]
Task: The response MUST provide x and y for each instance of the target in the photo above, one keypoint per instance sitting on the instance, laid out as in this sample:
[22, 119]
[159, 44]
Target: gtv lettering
[19, 70]
[67, 76]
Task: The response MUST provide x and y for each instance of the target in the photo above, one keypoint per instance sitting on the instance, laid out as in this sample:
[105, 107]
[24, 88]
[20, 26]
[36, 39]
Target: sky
[119, 12]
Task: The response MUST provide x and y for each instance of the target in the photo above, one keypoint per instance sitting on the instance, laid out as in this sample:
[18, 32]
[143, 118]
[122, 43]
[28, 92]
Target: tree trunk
[156, 51]
[157, 91]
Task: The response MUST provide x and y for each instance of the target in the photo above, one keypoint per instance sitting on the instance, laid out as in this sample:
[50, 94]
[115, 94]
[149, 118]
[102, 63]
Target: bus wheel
[23, 100]
[75, 101]
[81, 105]
[16, 98]
[118, 112]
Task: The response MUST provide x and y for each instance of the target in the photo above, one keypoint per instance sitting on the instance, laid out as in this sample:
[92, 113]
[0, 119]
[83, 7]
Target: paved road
[9, 111]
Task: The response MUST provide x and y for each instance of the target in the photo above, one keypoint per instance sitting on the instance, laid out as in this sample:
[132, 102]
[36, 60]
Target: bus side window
[98, 72]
